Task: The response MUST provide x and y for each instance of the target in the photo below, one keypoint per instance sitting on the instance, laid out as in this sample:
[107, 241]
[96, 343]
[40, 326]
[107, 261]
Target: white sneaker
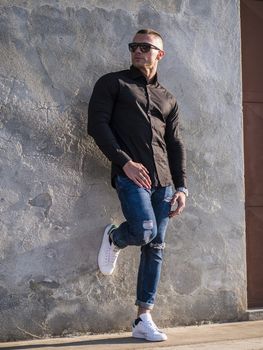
[147, 329]
[108, 253]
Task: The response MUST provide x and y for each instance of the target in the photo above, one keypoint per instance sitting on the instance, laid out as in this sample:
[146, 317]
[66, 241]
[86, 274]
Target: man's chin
[138, 64]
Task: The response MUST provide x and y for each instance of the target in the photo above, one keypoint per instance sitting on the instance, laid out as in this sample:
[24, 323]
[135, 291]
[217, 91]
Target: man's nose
[138, 47]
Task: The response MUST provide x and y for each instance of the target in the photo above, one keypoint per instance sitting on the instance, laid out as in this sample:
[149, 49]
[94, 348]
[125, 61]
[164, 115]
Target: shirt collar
[136, 73]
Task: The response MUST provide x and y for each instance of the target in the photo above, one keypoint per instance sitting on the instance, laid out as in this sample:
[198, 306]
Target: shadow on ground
[106, 341]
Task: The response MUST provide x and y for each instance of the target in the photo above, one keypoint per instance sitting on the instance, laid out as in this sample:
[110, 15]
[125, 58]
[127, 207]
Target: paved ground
[228, 336]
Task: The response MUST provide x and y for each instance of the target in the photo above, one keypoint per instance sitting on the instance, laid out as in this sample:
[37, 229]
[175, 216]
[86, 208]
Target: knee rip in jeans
[157, 245]
[147, 226]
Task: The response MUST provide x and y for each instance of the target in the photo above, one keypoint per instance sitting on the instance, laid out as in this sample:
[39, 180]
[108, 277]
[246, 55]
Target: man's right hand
[138, 174]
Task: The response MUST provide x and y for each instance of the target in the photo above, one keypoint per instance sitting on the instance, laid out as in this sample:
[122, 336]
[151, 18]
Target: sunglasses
[144, 47]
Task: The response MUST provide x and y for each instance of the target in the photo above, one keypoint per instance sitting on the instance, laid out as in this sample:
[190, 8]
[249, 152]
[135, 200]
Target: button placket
[155, 156]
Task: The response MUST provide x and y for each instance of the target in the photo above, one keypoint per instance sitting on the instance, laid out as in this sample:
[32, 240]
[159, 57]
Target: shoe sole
[141, 336]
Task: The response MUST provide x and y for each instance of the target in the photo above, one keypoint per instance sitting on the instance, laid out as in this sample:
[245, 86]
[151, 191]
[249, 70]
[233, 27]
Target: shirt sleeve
[175, 149]
[100, 111]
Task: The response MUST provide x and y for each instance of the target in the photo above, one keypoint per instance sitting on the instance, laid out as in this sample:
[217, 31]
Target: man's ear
[160, 55]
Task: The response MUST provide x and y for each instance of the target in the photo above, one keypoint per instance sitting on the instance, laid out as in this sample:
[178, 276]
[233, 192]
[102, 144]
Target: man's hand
[179, 198]
[138, 174]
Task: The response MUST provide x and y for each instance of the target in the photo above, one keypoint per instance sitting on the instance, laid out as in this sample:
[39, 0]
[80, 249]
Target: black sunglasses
[144, 47]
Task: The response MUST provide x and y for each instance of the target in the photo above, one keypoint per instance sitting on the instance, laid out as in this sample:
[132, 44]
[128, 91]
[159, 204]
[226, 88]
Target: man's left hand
[180, 199]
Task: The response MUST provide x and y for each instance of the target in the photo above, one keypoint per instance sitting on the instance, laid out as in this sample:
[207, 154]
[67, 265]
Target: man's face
[147, 60]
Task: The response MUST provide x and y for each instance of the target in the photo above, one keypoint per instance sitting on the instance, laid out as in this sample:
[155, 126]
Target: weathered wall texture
[55, 195]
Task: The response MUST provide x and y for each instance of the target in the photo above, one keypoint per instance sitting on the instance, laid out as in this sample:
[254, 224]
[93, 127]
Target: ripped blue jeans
[146, 212]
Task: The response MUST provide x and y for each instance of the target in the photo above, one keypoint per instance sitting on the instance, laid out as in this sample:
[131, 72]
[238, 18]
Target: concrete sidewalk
[228, 336]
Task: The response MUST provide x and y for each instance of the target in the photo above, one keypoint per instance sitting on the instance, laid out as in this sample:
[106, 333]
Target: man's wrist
[127, 164]
[183, 189]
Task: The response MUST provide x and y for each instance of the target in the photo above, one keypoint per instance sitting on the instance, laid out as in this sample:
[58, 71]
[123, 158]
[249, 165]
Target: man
[134, 121]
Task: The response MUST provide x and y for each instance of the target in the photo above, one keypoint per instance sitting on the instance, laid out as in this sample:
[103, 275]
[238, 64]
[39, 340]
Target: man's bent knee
[144, 233]
[148, 231]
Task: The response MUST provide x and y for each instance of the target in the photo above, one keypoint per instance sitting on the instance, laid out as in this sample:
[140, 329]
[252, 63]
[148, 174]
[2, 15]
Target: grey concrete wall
[55, 194]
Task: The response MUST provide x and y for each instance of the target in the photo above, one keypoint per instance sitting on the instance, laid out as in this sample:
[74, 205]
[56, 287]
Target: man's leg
[139, 229]
[150, 268]
[152, 253]
[140, 225]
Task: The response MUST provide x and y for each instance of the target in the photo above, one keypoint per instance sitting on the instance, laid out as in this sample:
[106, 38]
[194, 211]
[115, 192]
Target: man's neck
[149, 73]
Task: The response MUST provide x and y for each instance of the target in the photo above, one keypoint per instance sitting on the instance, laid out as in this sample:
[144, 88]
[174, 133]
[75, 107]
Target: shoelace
[112, 254]
[115, 253]
[151, 325]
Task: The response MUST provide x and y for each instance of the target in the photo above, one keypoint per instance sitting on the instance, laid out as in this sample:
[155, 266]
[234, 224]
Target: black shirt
[131, 119]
